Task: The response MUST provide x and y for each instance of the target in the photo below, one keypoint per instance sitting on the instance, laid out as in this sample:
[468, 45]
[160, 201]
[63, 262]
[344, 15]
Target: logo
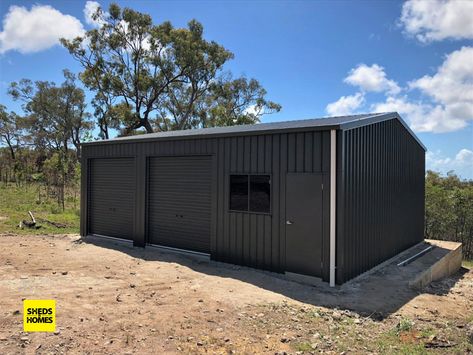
[39, 315]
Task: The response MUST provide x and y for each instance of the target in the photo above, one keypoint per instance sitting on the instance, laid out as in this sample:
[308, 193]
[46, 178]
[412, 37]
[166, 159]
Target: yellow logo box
[39, 315]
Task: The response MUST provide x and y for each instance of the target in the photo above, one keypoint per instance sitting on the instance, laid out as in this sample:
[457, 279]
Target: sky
[315, 58]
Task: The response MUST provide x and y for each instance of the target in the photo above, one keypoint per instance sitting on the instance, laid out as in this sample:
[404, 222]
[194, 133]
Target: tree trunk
[62, 198]
[104, 130]
[141, 122]
[63, 187]
[12, 151]
[147, 126]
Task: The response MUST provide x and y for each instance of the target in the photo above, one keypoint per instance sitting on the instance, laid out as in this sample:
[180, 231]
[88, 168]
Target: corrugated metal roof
[339, 122]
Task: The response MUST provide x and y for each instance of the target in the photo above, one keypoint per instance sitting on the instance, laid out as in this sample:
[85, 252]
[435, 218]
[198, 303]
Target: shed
[329, 198]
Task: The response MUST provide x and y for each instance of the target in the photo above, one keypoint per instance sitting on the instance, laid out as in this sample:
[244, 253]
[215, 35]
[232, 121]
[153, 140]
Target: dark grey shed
[329, 198]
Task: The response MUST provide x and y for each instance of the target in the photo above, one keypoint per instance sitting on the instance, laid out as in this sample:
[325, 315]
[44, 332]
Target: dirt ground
[115, 299]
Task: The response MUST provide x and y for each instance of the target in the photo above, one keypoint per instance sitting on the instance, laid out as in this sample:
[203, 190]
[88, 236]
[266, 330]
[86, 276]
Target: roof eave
[213, 135]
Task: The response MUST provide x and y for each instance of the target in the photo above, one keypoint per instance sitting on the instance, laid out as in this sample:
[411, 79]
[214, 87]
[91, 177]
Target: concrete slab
[442, 261]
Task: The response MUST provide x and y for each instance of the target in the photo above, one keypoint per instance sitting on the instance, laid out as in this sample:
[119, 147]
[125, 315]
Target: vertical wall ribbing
[383, 196]
[249, 239]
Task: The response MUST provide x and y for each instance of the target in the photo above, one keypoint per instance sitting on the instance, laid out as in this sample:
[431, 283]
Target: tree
[10, 130]
[76, 121]
[56, 122]
[225, 102]
[234, 102]
[105, 112]
[138, 69]
[448, 209]
[12, 135]
[56, 117]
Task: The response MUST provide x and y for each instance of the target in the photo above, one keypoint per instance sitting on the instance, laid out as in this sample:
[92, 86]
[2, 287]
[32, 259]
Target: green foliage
[390, 343]
[235, 102]
[449, 210]
[56, 117]
[11, 128]
[404, 325]
[304, 347]
[51, 133]
[158, 77]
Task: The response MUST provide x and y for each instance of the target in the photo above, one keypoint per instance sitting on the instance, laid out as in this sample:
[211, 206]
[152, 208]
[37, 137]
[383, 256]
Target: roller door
[111, 200]
[179, 202]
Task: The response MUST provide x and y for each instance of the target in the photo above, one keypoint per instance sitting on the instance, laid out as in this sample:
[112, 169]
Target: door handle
[289, 222]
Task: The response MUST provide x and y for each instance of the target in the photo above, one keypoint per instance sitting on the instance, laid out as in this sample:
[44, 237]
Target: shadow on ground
[376, 294]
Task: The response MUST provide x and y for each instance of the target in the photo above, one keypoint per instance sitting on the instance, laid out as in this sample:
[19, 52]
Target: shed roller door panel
[179, 202]
[112, 190]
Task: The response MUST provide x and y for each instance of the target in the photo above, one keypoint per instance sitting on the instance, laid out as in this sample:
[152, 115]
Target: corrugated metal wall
[241, 238]
[380, 196]
[256, 239]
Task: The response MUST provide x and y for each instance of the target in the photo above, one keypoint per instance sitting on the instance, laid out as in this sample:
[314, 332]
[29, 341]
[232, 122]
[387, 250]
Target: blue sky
[315, 58]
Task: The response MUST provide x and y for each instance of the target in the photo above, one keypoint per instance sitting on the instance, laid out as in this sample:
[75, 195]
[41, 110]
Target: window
[239, 192]
[259, 193]
[250, 193]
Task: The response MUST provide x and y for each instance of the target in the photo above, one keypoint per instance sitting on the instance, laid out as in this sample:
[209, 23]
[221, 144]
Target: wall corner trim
[333, 209]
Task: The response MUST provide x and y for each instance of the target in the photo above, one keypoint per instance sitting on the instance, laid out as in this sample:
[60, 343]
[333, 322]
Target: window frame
[249, 193]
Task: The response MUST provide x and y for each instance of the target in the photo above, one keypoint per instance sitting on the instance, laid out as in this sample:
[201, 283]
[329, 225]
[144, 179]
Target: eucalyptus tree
[11, 127]
[56, 117]
[55, 123]
[157, 77]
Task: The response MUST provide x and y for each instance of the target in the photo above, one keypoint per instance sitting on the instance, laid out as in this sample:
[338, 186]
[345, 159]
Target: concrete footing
[444, 260]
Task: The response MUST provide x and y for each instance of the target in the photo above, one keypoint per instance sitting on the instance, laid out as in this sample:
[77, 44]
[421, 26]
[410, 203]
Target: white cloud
[423, 117]
[371, 78]
[447, 104]
[453, 81]
[461, 163]
[435, 20]
[345, 105]
[37, 29]
[90, 10]
[465, 156]
[448, 101]
[414, 112]
[368, 79]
